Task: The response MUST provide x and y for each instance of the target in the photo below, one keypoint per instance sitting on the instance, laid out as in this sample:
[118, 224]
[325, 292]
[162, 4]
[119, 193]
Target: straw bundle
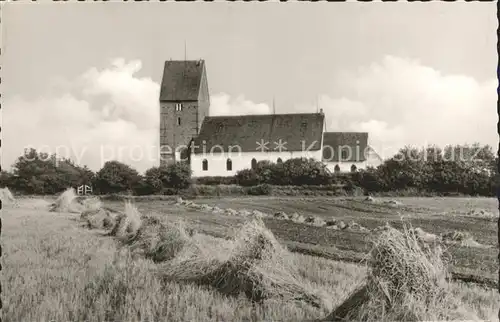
[406, 281]
[258, 267]
[7, 197]
[127, 223]
[67, 202]
[99, 219]
[160, 240]
[90, 204]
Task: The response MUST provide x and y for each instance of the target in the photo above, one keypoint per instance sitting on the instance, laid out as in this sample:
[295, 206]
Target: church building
[223, 145]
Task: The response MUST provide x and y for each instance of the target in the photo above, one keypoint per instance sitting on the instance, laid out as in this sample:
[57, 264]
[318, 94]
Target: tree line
[468, 170]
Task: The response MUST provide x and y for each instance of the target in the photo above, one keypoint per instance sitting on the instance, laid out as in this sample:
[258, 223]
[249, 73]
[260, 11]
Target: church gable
[334, 142]
[181, 80]
[297, 132]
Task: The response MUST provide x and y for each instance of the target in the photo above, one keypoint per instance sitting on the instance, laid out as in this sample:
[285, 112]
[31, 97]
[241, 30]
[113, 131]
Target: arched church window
[254, 163]
[337, 169]
[229, 165]
[205, 165]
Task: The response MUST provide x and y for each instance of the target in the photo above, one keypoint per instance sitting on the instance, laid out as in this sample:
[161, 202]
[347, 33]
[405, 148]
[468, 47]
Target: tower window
[229, 165]
[254, 163]
[178, 121]
[205, 165]
[178, 107]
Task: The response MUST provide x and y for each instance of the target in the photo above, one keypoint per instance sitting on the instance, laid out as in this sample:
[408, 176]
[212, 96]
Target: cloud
[401, 102]
[106, 114]
[125, 96]
[222, 104]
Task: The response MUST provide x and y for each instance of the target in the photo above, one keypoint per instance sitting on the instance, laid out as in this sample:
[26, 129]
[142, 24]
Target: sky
[82, 79]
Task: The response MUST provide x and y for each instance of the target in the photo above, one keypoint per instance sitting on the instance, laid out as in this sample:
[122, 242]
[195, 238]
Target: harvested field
[433, 215]
[69, 266]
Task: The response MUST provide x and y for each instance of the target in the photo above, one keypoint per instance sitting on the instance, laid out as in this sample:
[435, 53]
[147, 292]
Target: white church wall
[217, 161]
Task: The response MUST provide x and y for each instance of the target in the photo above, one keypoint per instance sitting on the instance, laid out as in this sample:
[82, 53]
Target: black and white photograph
[249, 161]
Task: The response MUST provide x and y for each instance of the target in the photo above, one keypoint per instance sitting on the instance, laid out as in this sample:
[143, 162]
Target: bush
[41, 173]
[247, 178]
[298, 171]
[116, 177]
[210, 181]
[432, 171]
[6, 179]
[142, 188]
[302, 171]
[260, 190]
[370, 180]
[168, 179]
[169, 191]
[271, 173]
[178, 175]
[154, 179]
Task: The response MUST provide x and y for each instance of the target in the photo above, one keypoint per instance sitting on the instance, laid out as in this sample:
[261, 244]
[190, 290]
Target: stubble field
[57, 269]
[476, 217]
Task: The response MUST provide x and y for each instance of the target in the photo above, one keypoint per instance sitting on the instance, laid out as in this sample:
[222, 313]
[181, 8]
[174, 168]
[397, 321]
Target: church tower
[184, 103]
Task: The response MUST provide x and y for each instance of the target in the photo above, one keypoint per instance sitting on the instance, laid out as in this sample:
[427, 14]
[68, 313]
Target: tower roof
[181, 80]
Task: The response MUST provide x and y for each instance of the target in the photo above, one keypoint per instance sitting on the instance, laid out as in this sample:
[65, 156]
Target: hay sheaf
[217, 210]
[297, 218]
[458, 238]
[257, 266]
[481, 213]
[280, 215]
[315, 221]
[95, 215]
[7, 197]
[160, 240]
[99, 218]
[461, 238]
[259, 214]
[406, 282]
[393, 203]
[149, 236]
[91, 204]
[67, 202]
[127, 223]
